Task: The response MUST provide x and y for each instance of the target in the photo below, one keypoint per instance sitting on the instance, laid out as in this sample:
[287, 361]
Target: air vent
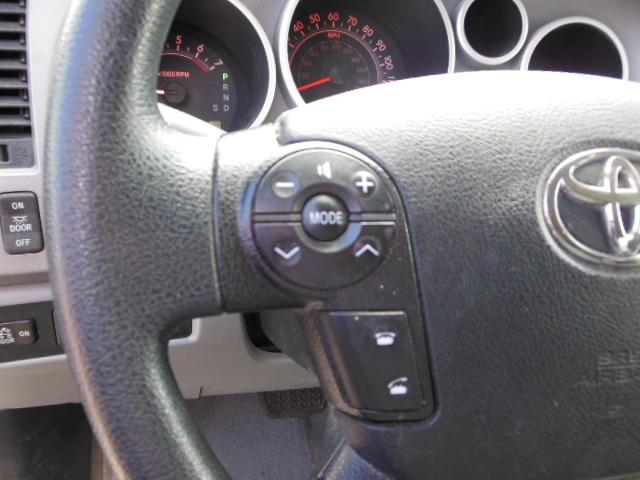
[16, 148]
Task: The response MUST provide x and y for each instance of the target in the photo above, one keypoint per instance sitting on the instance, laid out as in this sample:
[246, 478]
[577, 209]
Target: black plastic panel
[45, 443]
[373, 357]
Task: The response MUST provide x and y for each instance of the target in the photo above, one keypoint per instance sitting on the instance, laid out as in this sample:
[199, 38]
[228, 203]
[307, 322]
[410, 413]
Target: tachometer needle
[159, 92]
[317, 83]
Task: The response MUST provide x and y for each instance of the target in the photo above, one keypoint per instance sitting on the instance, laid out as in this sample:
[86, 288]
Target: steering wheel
[493, 263]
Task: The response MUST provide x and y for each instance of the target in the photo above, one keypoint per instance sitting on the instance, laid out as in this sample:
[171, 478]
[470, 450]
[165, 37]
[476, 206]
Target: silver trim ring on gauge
[473, 53]
[271, 62]
[550, 27]
[290, 90]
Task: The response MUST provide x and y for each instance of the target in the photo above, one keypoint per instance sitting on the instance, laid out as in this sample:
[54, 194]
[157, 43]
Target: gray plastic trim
[216, 359]
[41, 34]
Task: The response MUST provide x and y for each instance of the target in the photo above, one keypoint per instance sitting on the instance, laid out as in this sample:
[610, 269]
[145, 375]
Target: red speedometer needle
[317, 83]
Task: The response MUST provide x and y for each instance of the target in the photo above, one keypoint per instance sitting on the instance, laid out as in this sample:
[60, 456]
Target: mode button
[325, 217]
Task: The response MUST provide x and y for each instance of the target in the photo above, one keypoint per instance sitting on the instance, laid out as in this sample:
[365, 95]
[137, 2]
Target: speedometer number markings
[332, 52]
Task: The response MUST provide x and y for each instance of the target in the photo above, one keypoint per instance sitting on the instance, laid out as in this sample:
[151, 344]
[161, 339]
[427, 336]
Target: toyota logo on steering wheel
[592, 206]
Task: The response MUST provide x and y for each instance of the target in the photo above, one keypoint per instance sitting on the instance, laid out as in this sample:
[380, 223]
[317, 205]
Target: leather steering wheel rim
[155, 188]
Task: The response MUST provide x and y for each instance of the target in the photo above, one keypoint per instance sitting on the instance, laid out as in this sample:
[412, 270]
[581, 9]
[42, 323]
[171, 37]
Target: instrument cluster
[329, 47]
[219, 65]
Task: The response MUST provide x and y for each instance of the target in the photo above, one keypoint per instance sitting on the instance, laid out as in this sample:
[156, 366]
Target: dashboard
[238, 64]
[320, 48]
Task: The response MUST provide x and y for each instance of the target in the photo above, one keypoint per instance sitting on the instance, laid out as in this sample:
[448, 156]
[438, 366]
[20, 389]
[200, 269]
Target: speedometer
[333, 51]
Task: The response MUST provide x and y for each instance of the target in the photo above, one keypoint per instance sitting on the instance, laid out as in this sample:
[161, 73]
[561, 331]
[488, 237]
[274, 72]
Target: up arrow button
[367, 247]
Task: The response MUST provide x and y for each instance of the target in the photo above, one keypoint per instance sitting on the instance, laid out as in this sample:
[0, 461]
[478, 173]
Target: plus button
[364, 182]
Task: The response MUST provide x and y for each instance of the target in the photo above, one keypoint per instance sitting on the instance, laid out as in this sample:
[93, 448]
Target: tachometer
[332, 51]
[194, 78]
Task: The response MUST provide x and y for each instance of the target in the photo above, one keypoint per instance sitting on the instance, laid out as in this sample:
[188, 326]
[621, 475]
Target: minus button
[285, 184]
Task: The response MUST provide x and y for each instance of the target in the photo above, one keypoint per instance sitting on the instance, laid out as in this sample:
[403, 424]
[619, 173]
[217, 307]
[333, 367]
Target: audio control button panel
[323, 219]
[286, 187]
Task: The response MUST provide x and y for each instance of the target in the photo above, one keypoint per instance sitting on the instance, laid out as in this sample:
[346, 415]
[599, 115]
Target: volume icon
[324, 169]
